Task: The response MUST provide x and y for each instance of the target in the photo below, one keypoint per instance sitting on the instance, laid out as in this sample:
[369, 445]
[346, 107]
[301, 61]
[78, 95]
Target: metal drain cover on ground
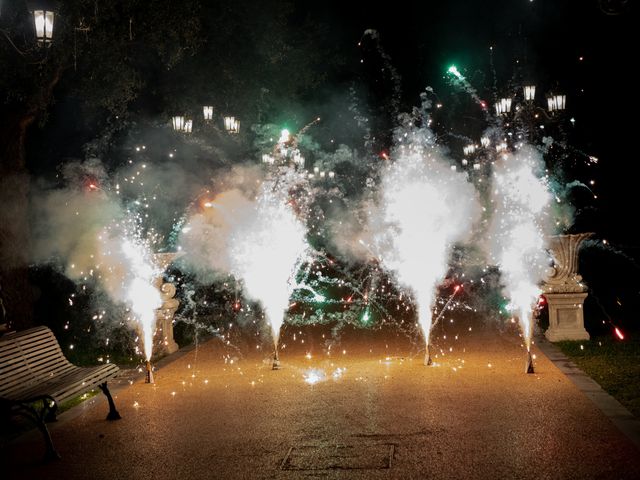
[340, 457]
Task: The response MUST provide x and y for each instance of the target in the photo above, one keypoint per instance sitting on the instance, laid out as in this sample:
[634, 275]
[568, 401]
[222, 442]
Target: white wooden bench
[35, 377]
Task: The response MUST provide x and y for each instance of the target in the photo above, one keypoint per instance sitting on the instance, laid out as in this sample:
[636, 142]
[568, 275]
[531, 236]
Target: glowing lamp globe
[529, 92]
[556, 102]
[298, 159]
[503, 106]
[207, 112]
[43, 19]
[266, 158]
[178, 123]
[231, 125]
[469, 149]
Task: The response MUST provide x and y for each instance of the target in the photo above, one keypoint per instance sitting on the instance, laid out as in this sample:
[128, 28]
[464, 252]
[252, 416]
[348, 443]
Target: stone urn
[164, 314]
[564, 290]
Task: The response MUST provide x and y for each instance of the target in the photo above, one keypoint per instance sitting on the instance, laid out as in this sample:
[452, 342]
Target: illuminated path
[395, 418]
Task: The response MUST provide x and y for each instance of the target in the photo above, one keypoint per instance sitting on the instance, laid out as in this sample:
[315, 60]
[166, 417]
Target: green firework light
[453, 70]
[366, 316]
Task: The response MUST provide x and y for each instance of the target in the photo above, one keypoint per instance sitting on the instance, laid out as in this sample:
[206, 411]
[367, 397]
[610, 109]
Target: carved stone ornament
[563, 276]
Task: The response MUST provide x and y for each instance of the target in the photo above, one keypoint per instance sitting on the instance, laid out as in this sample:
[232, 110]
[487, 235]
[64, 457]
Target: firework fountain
[261, 241]
[425, 207]
[519, 228]
[266, 250]
[128, 271]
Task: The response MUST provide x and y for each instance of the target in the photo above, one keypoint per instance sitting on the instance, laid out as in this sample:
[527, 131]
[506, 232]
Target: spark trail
[519, 229]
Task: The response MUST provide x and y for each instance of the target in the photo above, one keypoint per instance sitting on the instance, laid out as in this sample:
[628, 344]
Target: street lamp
[43, 19]
[188, 126]
[231, 125]
[207, 111]
[469, 149]
[529, 92]
[178, 123]
[556, 102]
[298, 159]
[503, 106]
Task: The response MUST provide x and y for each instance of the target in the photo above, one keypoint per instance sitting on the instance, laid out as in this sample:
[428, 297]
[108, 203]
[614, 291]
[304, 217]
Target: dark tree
[112, 64]
[95, 53]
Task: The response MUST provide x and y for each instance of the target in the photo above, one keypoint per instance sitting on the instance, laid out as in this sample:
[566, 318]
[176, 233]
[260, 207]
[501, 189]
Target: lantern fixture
[556, 102]
[503, 106]
[485, 142]
[178, 123]
[469, 149]
[207, 111]
[231, 125]
[268, 159]
[188, 126]
[298, 159]
[501, 147]
[43, 19]
[529, 92]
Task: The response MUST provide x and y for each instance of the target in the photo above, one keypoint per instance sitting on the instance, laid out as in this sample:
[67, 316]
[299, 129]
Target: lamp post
[520, 109]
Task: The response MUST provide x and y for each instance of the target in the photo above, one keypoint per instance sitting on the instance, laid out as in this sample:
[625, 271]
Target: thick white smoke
[260, 241]
[96, 239]
[424, 208]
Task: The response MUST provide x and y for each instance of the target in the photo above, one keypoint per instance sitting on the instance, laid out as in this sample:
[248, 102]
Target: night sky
[540, 40]
[581, 48]
[548, 39]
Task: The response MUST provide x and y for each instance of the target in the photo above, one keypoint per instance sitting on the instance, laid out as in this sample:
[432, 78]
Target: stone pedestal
[164, 314]
[566, 319]
[164, 318]
[565, 291]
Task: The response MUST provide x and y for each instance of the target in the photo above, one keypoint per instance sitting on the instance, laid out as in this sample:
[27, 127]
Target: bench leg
[50, 453]
[113, 413]
[39, 418]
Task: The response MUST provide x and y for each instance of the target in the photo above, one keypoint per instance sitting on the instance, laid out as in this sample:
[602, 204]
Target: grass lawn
[613, 363]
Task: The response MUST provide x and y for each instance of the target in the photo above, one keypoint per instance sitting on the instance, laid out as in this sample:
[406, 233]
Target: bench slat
[43, 361]
[25, 380]
[32, 364]
[61, 388]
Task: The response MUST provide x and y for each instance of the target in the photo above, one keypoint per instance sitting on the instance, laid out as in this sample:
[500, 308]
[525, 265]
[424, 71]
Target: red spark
[90, 183]
[619, 333]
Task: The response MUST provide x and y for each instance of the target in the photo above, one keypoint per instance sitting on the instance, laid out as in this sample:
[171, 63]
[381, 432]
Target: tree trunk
[16, 296]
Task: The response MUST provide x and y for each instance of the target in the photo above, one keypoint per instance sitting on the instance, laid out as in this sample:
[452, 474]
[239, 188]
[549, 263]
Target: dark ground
[476, 414]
